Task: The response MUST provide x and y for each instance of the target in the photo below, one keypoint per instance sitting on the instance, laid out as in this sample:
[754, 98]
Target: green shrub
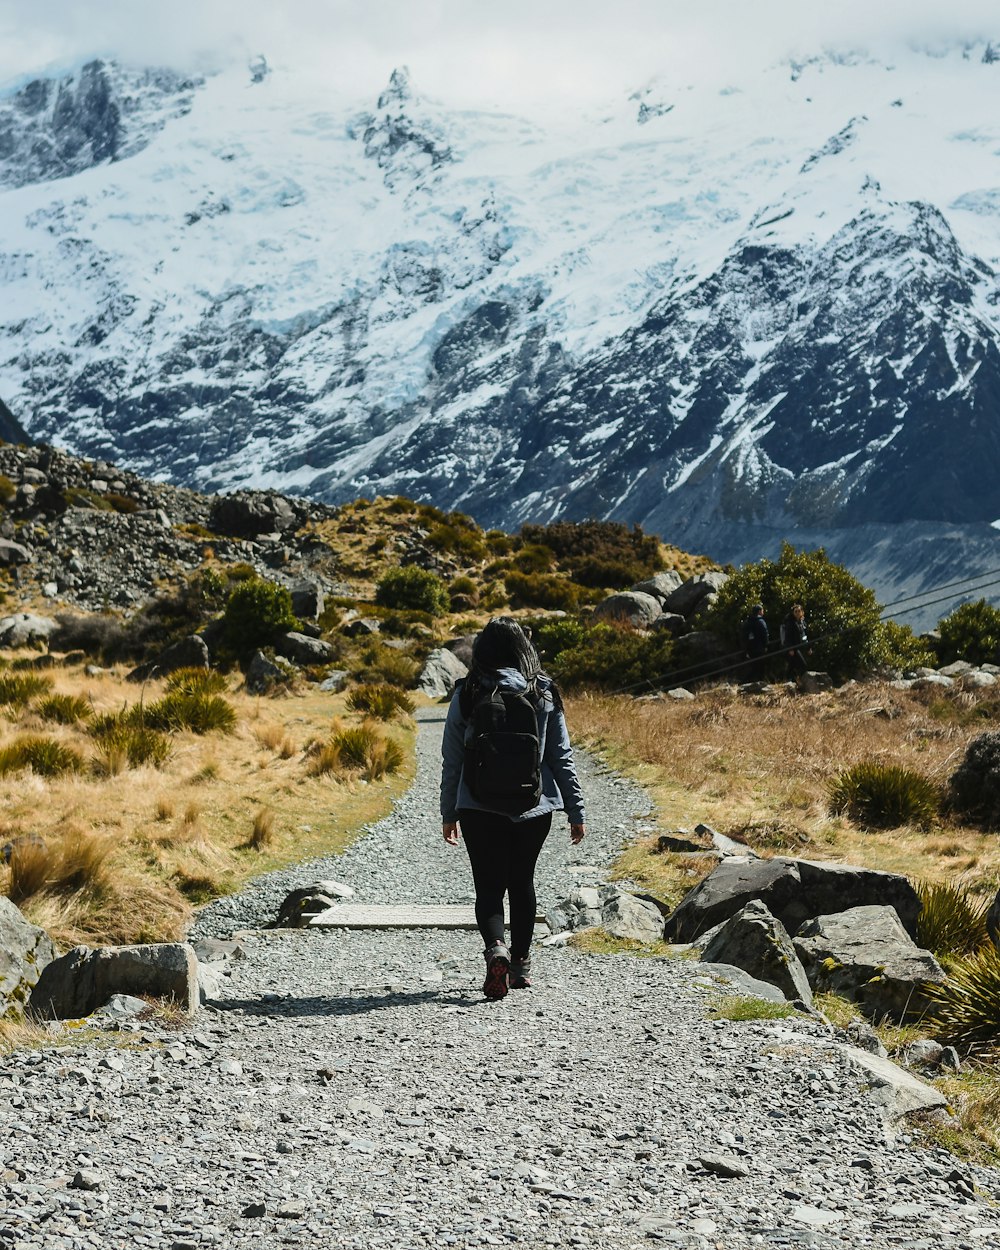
[364, 747]
[460, 535]
[65, 709]
[842, 616]
[410, 586]
[44, 756]
[965, 1009]
[122, 503]
[18, 689]
[133, 745]
[554, 635]
[201, 713]
[972, 633]
[196, 681]
[7, 491]
[255, 612]
[951, 921]
[599, 553]
[542, 590]
[885, 795]
[379, 700]
[382, 664]
[463, 589]
[610, 657]
[534, 558]
[83, 497]
[500, 544]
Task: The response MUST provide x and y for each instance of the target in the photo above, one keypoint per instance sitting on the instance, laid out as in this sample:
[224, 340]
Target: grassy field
[125, 857]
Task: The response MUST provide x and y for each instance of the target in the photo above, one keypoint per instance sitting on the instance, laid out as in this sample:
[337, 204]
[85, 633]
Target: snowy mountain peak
[400, 88]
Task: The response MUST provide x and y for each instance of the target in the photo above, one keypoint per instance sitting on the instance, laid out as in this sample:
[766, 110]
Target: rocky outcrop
[865, 954]
[759, 944]
[441, 671]
[25, 629]
[630, 607]
[795, 890]
[619, 913]
[81, 981]
[25, 951]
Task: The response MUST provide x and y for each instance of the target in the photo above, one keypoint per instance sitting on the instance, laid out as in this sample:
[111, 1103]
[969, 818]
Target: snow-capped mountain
[733, 315]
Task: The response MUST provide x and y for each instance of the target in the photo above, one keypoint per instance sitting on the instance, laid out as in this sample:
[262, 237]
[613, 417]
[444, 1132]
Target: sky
[481, 52]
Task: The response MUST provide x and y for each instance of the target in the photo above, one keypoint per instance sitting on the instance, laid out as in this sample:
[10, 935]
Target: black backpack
[503, 759]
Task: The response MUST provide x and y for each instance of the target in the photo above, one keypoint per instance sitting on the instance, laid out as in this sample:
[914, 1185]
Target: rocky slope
[734, 315]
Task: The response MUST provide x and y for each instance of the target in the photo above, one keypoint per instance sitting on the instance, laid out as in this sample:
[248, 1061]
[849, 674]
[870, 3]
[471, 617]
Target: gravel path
[355, 1090]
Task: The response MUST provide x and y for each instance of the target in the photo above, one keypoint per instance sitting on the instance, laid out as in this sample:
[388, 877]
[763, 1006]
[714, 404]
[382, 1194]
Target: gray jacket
[560, 784]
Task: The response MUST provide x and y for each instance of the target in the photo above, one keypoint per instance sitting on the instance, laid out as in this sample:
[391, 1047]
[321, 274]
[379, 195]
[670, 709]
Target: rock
[308, 600]
[263, 676]
[214, 957]
[728, 1166]
[461, 648]
[660, 585]
[189, 652]
[899, 1093]
[440, 673]
[865, 954]
[247, 513]
[672, 622]
[87, 1180]
[930, 680]
[759, 944]
[629, 607]
[12, 553]
[686, 599]
[25, 629]
[957, 669]
[83, 980]
[974, 787]
[861, 1034]
[977, 680]
[923, 1053]
[121, 1007]
[794, 890]
[679, 694]
[625, 916]
[25, 951]
[304, 650]
[302, 905]
[742, 982]
[363, 627]
[726, 847]
[334, 681]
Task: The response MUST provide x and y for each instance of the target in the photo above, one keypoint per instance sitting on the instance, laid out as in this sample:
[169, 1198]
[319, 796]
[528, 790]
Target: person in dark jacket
[793, 639]
[503, 848]
[755, 641]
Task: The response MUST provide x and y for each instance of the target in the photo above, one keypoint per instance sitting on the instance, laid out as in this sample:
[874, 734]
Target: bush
[842, 616]
[611, 657]
[364, 747]
[951, 921]
[464, 590]
[65, 709]
[379, 700]
[885, 795]
[196, 681]
[409, 586]
[382, 664]
[554, 635]
[255, 612]
[599, 553]
[44, 756]
[534, 558]
[201, 713]
[459, 535]
[972, 633]
[18, 689]
[974, 787]
[121, 744]
[542, 590]
[7, 491]
[965, 1009]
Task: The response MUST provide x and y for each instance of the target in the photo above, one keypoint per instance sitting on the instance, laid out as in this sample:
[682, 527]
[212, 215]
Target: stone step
[398, 916]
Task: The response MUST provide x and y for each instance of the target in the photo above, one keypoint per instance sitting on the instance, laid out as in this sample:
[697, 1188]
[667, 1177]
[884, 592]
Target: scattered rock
[865, 954]
[899, 1092]
[304, 650]
[247, 513]
[308, 600]
[302, 905]
[189, 652]
[686, 598]
[630, 607]
[84, 979]
[334, 681]
[12, 553]
[759, 944]
[625, 916]
[729, 1166]
[25, 629]
[442, 670]
[661, 585]
[263, 676]
[726, 846]
[25, 951]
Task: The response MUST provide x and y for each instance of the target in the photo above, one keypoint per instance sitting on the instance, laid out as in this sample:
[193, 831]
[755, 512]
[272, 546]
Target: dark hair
[503, 643]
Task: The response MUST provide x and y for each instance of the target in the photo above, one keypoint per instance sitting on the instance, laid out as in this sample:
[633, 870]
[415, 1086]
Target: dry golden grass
[178, 835]
[274, 737]
[262, 830]
[759, 768]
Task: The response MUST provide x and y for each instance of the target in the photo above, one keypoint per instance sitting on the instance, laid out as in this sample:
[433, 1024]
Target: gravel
[354, 1089]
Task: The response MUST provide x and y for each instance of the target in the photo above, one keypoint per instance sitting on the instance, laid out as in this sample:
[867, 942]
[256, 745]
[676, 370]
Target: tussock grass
[18, 689]
[46, 757]
[75, 861]
[201, 713]
[885, 795]
[190, 681]
[746, 1007]
[276, 738]
[965, 1009]
[380, 700]
[123, 746]
[598, 941]
[951, 922]
[65, 709]
[262, 830]
[366, 748]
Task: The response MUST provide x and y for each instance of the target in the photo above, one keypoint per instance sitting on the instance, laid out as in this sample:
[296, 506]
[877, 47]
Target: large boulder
[625, 916]
[974, 787]
[795, 890]
[263, 676]
[25, 950]
[247, 513]
[12, 553]
[630, 607]
[757, 942]
[301, 649]
[189, 652]
[308, 600]
[83, 980]
[302, 905]
[25, 629]
[660, 585]
[442, 670]
[686, 599]
[865, 954]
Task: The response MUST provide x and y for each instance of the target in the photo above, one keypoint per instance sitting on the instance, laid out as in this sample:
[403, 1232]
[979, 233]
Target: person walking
[755, 641]
[793, 640]
[507, 765]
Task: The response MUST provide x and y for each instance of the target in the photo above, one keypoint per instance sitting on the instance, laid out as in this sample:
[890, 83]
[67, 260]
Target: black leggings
[503, 854]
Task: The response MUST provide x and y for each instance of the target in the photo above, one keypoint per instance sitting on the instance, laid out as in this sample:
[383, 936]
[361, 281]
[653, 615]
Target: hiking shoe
[520, 974]
[497, 968]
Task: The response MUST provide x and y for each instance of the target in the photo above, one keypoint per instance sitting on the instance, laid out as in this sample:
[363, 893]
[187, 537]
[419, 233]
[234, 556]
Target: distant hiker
[507, 766]
[755, 640]
[793, 636]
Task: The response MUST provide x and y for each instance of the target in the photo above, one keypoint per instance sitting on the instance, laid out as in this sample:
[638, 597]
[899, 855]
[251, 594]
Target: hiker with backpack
[507, 766]
[755, 641]
[793, 640]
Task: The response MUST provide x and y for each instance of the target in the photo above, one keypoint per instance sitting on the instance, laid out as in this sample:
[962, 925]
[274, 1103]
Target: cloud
[477, 50]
